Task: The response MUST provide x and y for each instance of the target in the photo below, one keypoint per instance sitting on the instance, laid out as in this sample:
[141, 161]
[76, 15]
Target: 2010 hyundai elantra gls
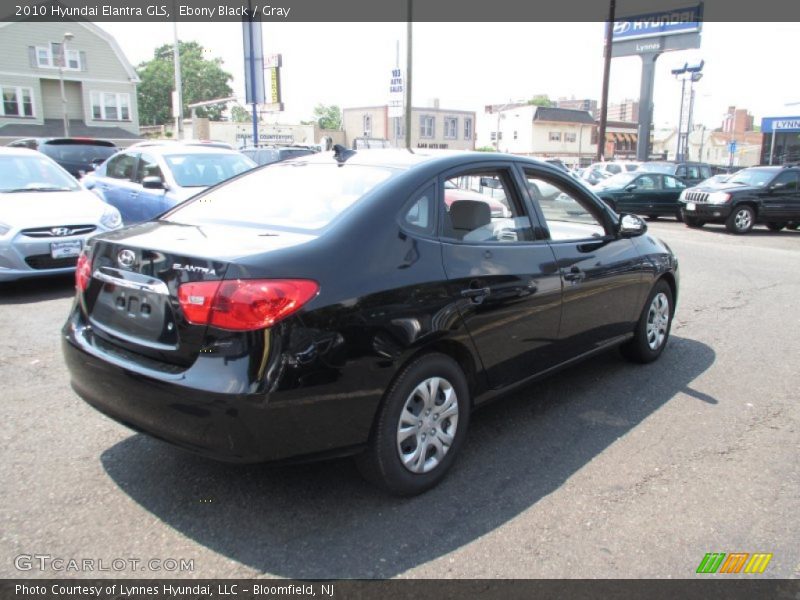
[337, 305]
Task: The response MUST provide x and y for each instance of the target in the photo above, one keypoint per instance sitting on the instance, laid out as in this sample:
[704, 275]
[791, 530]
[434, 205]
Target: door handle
[574, 274]
[476, 294]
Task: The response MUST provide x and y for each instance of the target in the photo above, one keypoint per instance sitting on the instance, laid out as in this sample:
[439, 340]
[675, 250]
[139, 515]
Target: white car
[45, 216]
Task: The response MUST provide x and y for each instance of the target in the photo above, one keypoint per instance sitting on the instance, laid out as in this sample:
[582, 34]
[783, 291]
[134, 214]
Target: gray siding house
[99, 83]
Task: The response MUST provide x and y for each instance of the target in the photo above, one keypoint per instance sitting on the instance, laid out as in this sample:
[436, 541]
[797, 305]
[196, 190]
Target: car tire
[775, 226]
[401, 457]
[741, 219]
[652, 330]
[679, 217]
[693, 222]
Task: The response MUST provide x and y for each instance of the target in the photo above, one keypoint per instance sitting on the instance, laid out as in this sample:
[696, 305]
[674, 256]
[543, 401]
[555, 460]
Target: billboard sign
[770, 124]
[396, 94]
[665, 23]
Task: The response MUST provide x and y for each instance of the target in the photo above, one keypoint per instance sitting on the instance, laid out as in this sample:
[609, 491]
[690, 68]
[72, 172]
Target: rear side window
[417, 214]
[291, 195]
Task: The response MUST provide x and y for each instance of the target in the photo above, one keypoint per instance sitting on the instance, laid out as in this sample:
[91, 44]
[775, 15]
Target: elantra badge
[126, 258]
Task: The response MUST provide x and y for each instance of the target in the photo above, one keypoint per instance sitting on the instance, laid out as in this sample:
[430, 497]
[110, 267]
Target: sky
[469, 65]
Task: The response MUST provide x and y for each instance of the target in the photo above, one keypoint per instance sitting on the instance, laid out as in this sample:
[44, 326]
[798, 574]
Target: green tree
[240, 114]
[201, 79]
[541, 100]
[328, 117]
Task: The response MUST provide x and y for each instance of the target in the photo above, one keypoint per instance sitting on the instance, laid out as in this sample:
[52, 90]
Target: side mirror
[777, 186]
[631, 226]
[630, 187]
[153, 183]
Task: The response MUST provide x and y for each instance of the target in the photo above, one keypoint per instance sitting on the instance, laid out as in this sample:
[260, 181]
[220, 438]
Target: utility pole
[601, 136]
[409, 57]
[176, 57]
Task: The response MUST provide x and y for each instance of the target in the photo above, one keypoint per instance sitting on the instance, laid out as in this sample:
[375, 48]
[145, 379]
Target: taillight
[83, 272]
[244, 304]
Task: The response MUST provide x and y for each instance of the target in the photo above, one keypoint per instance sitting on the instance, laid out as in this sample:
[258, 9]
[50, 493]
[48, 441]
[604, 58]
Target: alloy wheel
[657, 321]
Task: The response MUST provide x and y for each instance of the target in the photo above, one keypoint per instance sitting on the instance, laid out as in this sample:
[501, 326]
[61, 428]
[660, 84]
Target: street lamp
[61, 64]
[692, 74]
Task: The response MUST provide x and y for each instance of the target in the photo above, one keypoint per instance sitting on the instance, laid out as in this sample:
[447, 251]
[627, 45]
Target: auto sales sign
[666, 23]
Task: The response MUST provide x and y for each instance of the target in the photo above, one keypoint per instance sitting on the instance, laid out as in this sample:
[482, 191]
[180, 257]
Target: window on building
[555, 136]
[426, 126]
[468, 129]
[515, 135]
[570, 136]
[50, 57]
[495, 134]
[399, 127]
[450, 128]
[367, 125]
[17, 101]
[110, 106]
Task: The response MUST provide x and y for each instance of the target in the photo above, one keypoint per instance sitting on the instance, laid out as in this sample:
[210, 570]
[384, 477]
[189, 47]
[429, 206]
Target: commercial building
[781, 140]
[737, 121]
[99, 84]
[626, 111]
[432, 127]
[586, 104]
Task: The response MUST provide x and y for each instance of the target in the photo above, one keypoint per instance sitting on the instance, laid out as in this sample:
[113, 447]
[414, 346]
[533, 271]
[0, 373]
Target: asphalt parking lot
[605, 470]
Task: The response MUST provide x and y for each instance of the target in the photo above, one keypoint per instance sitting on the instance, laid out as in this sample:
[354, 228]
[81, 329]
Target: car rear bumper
[193, 409]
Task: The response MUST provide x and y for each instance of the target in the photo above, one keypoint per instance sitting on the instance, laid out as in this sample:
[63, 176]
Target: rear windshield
[206, 169]
[77, 153]
[290, 195]
[664, 168]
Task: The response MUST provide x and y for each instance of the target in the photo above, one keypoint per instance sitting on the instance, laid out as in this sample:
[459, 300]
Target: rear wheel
[775, 226]
[420, 427]
[741, 219]
[652, 330]
[693, 222]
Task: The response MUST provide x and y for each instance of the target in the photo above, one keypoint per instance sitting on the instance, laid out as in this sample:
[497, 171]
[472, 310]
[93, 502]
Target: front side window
[481, 208]
[568, 215]
[648, 182]
[148, 167]
[110, 106]
[426, 126]
[304, 196]
[17, 101]
[450, 128]
[670, 183]
[122, 166]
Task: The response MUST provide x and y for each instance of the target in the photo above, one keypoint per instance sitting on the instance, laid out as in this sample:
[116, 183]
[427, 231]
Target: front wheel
[420, 427]
[741, 219]
[693, 222]
[652, 330]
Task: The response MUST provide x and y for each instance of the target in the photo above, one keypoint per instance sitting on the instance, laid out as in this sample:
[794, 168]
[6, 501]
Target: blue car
[143, 182]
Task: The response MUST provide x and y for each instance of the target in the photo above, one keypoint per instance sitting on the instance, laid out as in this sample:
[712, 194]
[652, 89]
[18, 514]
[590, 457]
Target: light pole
[692, 74]
[61, 64]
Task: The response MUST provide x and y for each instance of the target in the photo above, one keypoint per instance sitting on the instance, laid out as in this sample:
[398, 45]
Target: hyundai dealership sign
[673, 22]
[770, 124]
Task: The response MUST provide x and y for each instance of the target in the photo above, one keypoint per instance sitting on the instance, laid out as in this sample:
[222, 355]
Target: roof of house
[55, 128]
[563, 115]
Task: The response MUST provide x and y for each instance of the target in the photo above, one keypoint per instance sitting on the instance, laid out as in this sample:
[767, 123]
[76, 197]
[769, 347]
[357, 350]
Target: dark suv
[690, 173]
[768, 195]
[77, 155]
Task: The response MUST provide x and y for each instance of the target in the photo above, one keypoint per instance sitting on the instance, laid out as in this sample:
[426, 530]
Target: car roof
[17, 151]
[178, 148]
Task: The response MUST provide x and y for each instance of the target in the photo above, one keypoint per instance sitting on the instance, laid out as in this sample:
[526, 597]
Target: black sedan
[336, 305]
[650, 194]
